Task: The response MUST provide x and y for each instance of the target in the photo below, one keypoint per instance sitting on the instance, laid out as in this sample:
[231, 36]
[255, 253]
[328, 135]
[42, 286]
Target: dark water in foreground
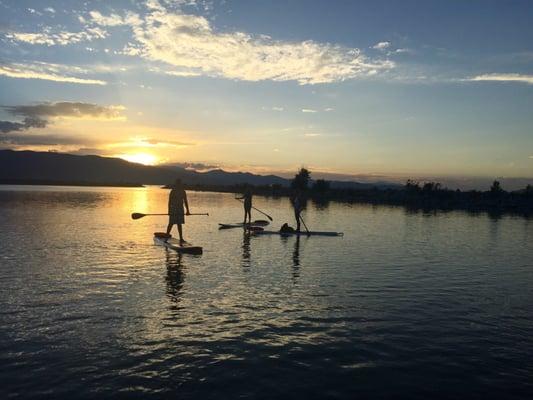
[406, 305]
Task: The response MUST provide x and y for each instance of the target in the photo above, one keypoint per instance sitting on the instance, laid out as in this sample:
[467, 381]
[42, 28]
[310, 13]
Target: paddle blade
[137, 215]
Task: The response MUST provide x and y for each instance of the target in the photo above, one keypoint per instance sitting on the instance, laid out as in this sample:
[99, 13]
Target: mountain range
[52, 167]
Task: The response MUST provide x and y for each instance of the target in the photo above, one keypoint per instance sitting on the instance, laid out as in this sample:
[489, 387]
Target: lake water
[405, 305]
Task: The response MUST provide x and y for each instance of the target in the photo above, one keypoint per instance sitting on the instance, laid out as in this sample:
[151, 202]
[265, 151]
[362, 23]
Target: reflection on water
[175, 275]
[296, 259]
[246, 252]
[437, 305]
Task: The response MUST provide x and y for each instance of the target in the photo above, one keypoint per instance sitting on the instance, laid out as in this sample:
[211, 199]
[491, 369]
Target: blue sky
[369, 89]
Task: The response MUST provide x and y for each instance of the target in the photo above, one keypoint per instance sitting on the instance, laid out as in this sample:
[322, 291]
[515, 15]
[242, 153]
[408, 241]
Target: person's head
[177, 183]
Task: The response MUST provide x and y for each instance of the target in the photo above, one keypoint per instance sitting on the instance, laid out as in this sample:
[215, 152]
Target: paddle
[265, 214]
[141, 215]
[301, 219]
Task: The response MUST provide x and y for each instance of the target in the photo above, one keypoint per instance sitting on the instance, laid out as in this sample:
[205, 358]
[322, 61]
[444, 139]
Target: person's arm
[186, 202]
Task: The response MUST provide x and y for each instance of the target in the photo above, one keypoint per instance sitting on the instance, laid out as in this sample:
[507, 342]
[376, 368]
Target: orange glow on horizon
[140, 158]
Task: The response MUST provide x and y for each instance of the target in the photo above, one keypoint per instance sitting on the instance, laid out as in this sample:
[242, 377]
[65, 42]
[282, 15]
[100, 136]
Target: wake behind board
[301, 233]
[257, 222]
[174, 244]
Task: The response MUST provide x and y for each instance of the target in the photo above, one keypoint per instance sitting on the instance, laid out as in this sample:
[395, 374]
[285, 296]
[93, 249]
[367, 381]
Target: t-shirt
[175, 201]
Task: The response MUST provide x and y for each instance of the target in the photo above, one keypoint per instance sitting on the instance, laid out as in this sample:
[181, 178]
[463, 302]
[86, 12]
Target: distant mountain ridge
[30, 166]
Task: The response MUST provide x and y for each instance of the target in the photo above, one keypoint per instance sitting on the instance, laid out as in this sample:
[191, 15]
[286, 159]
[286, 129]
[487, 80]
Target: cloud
[503, 78]
[312, 134]
[190, 43]
[90, 151]
[382, 46]
[114, 19]
[160, 143]
[67, 109]
[328, 109]
[39, 115]
[50, 10]
[402, 50]
[308, 110]
[49, 72]
[27, 123]
[63, 38]
[38, 140]
[158, 70]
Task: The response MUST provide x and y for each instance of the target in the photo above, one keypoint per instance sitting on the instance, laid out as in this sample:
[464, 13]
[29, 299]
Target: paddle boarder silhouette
[176, 215]
[297, 204]
[247, 197]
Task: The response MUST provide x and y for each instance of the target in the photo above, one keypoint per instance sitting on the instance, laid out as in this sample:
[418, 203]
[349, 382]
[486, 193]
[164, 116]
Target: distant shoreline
[38, 182]
[411, 198]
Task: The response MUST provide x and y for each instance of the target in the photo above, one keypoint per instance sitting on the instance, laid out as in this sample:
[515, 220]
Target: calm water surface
[405, 305]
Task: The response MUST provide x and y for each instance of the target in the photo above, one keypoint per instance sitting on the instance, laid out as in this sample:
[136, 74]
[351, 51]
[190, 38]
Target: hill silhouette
[32, 167]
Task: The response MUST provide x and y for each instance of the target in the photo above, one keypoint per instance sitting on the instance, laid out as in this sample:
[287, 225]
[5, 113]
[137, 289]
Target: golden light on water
[141, 158]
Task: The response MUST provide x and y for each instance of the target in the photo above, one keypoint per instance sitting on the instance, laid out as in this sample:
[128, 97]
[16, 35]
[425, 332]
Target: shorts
[176, 219]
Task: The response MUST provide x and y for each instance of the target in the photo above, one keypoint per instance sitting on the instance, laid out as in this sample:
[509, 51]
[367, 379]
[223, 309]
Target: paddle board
[174, 244]
[241, 225]
[301, 233]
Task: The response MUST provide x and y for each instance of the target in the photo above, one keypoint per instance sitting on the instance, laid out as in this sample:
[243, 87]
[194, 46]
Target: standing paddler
[247, 197]
[297, 205]
[176, 215]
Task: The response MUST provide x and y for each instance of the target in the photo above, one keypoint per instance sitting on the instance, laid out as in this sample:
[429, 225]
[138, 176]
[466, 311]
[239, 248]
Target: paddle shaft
[265, 214]
[141, 215]
[303, 222]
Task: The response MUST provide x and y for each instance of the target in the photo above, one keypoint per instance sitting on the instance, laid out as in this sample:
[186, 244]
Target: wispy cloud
[172, 72]
[62, 38]
[114, 19]
[39, 140]
[273, 108]
[67, 109]
[190, 43]
[49, 72]
[308, 110]
[382, 45]
[503, 78]
[39, 115]
[152, 142]
[27, 123]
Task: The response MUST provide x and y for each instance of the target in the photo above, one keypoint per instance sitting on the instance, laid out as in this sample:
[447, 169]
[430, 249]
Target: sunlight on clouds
[504, 78]
[62, 38]
[42, 71]
[114, 19]
[190, 42]
[381, 45]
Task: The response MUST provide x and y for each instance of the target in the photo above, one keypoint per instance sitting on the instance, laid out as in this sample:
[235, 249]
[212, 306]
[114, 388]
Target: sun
[140, 158]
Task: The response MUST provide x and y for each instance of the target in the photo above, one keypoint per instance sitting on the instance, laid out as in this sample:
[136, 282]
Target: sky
[361, 89]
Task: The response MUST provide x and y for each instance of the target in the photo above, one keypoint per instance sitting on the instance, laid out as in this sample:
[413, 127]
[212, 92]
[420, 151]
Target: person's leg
[169, 227]
[180, 232]
[297, 216]
[249, 215]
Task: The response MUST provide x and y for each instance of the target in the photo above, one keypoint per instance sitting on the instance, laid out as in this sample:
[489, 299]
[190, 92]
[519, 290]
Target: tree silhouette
[301, 179]
[496, 188]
